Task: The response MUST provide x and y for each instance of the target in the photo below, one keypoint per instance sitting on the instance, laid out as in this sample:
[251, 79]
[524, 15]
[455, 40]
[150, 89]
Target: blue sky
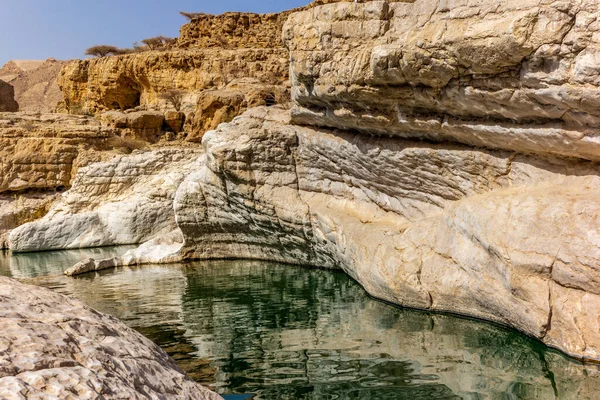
[63, 29]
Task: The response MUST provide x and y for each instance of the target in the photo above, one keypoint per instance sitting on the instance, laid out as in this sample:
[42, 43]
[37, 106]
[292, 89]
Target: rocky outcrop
[448, 162]
[56, 347]
[43, 152]
[144, 125]
[125, 200]
[35, 83]
[7, 98]
[215, 106]
[124, 82]
[19, 209]
[492, 234]
[516, 76]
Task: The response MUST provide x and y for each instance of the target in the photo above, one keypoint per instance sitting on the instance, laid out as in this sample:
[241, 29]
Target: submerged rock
[56, 347]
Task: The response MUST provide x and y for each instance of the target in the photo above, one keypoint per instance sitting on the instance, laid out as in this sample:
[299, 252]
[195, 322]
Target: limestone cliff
[443, 154]
[127, 81]
[517, 75]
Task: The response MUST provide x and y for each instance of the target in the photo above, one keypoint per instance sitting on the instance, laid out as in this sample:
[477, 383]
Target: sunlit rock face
[515, 75]
[56, 347]
[126, 200]
[493, 234]
[447, 161]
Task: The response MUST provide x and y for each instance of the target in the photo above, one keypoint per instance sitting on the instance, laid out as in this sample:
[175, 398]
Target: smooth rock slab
[53, 346]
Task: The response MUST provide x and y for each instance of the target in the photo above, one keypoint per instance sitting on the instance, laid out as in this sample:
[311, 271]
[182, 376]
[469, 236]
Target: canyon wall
[444, 154]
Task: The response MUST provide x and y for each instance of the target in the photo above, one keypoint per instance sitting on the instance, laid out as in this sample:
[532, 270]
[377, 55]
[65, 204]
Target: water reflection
[283, 332]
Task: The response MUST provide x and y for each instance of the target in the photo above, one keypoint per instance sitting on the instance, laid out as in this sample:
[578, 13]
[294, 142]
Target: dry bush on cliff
[191, 16]
[174, 97]
[102, 51]
[158, 42]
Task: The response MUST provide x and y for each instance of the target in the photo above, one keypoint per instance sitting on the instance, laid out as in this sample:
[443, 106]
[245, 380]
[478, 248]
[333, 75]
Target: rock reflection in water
[284, 332]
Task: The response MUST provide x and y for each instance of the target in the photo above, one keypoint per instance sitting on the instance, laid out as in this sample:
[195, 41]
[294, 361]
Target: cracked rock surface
[55, 347]
[492, 234]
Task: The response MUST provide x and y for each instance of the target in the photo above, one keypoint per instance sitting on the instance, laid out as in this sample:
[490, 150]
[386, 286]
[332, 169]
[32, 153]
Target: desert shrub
[101, 51]
[191, 16]
[174, 97]
[159, 42]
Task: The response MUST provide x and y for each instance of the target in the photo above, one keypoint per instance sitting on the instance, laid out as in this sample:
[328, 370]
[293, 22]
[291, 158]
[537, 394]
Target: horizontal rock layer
[126, 81]
[43, 152]
[56, 347]
[516, 75]
[122, 201]
[496, 235]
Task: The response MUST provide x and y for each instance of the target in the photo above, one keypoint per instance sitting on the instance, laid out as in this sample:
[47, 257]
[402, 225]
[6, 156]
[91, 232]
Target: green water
[269, 331]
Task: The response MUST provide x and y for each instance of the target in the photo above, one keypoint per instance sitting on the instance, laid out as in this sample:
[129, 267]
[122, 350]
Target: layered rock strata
[454, 167]
[56, 347]
[125, 200]
[127, 81]
[497, 235]
[518, 76]
[16, 210]
[43, 152]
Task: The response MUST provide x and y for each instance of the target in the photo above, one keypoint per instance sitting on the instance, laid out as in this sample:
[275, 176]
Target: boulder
[56, 347]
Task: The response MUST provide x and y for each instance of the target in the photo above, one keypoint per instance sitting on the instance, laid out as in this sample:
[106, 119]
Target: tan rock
[125, 82]
[174, 121]
[35, 83]
[143, 125]
[222, 105]
[43, 151]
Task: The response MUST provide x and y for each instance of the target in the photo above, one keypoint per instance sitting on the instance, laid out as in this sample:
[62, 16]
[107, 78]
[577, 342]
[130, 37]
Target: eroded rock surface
[57, 347]
[43, 152]
[451, 166]
[125, 200]
[516, 75]
[127, 81]
[7, 98]
[497, 235]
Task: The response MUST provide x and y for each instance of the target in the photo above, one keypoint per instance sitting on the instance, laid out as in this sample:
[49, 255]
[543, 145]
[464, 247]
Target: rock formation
[126, 200]
[43, 152]
[124, 82]
[447, 160]
[56, 347]
[35, 83]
